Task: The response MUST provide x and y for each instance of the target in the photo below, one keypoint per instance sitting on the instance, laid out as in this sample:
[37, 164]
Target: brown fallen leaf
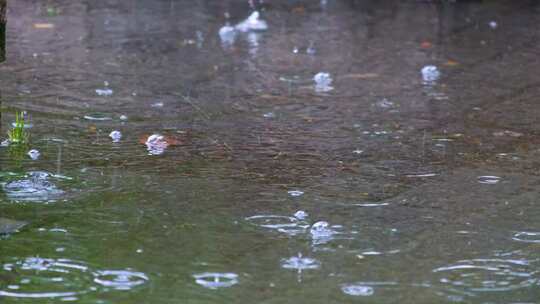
[426, 45]
[299, 10]
[451, 62]
[43, 25]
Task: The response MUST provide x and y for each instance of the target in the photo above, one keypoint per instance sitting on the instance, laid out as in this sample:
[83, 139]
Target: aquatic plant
[17, 134]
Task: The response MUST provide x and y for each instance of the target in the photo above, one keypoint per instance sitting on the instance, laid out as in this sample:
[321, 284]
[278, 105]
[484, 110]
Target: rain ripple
[63, 279]
[33, 187]
[290, 225]
[488, 275]
[36, 277]
[215, 280]
[527, 237]
[120, 279]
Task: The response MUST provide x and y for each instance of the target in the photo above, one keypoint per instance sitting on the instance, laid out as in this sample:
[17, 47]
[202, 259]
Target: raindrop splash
[215, 280]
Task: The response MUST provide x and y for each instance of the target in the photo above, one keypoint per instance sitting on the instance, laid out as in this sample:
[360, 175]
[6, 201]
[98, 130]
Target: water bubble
[430, 74]
[295, 50]
[156, 144]
[104, 92]
[34, 154]
[215, 280]
[488, 179]
[35, 186]
[301, 214]
[295, 193]
[269, 115]
[123, 117]
[115, 135]
[493, 24]
[252, 23]
[321, 233]
[357, 290]
[323, 82]
[120, 279]
[227, 34]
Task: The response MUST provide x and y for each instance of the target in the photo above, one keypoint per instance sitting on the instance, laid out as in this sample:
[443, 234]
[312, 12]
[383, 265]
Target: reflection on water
[394, 144]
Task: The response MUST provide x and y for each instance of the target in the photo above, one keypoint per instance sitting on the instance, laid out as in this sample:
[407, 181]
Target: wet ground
[411, 177]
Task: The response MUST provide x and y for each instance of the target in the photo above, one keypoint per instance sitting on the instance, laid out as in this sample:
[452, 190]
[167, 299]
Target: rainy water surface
[333, 151]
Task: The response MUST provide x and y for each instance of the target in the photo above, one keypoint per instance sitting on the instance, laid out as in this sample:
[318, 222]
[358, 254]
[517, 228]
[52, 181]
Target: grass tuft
[17, 134]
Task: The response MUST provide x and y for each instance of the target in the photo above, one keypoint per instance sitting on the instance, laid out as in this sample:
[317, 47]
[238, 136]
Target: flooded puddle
[240, 151]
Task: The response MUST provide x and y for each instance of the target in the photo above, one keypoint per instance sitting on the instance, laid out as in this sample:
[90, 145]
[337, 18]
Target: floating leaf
[43, 25]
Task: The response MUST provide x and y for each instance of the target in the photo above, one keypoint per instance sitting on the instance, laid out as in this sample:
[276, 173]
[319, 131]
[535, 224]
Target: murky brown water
[428, 185]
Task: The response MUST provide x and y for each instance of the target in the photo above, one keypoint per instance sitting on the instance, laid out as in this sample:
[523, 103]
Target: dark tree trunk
[3, 21]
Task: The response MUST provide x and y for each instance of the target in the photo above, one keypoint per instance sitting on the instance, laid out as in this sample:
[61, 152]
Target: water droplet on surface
[120, 279]
[115, 136]
[357, 290]
[295, 193]
[301, 214]
[323, 82]
[430, 74]
[215, 280]
[488, 179]
[34, 154]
